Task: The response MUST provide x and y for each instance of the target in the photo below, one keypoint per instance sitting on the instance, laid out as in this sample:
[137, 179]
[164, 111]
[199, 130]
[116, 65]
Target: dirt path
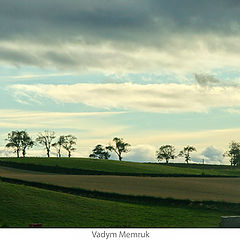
[217, 189]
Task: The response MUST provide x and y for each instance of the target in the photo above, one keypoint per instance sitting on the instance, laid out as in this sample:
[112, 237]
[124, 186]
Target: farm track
[194, 188]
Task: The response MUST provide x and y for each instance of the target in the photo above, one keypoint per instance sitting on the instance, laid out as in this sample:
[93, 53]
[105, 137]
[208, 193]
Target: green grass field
[96, 166]
[22, 205]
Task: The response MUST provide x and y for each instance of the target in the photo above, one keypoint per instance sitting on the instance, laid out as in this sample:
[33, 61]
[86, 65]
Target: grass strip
[74, 171]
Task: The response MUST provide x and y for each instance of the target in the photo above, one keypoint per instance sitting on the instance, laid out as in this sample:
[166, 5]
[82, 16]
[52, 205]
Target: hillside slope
[111, 167]
[22, 205]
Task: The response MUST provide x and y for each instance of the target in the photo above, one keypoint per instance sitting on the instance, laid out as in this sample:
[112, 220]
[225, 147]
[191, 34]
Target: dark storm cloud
[189, 15]
[116, 19]
[68, 19]
[172, 27]
[15, 57]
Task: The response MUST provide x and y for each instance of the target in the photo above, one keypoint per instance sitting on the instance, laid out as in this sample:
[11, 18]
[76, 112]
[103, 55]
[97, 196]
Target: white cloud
[83, 124]
[203, 54]
[19, 114]
[164, 98]
[233, 110]
[6, 153]
[210, 155]
[200, 139]
[113, 59]
[30, 76]
[141, 153]
[213, 154]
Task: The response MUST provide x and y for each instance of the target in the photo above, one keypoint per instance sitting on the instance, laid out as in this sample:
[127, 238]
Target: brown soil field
[216, 189]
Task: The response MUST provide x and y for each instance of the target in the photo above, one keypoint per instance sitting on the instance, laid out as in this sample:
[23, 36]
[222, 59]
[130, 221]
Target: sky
[153, 72]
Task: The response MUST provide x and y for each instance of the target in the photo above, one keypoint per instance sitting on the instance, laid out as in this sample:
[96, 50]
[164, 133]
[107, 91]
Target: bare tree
[45, 139]
[119, 147]
[69, 143]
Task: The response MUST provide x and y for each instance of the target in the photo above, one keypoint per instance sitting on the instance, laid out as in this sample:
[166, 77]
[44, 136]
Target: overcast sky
[153, 72]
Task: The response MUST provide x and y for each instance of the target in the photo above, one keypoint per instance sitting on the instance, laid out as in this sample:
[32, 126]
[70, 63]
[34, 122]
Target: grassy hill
[112, 167]
[22, 205]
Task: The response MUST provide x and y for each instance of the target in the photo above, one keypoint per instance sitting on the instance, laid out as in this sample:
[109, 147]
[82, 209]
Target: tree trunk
[17, 153]
[69, 154]
[166, 161]
[24, 152]
[48, 153]
[120, 157]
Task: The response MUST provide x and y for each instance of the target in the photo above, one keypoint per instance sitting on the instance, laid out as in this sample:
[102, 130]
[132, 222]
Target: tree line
[167, 152]
[20, 141]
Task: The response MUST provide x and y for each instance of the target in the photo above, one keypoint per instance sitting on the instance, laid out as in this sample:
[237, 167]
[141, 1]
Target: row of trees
[118, 146]
[167, 152]
[20, 141]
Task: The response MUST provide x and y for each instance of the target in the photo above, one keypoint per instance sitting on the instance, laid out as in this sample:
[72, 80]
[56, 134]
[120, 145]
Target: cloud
[232, 110]
[212, 154]
[83, 124]
[110, 58]
[6, 153]
[141, 153]
[24, 115]
[30, 76]
[114, 20]
[206, 80]
[163, 98]
[121, 36]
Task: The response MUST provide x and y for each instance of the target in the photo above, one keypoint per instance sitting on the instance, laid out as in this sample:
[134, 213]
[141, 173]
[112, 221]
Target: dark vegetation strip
[74, 171]
[198, 166]
[143, 200]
